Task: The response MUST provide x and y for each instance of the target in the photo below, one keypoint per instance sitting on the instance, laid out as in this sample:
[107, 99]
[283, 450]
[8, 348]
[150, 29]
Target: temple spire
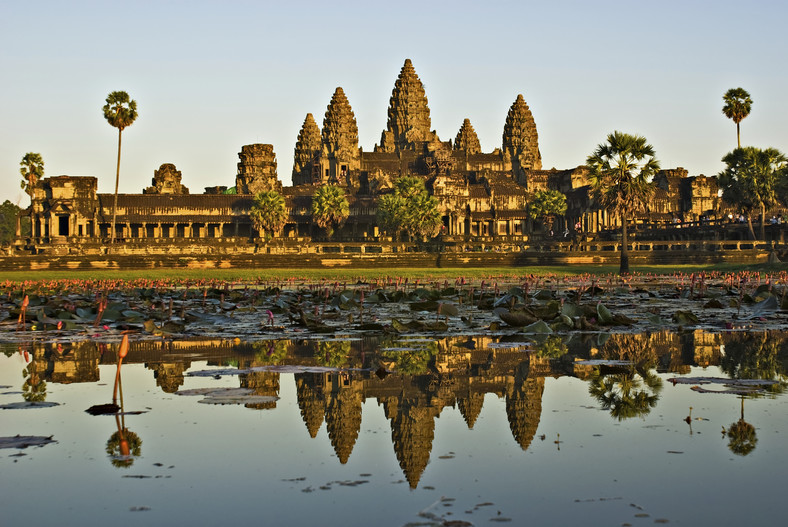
[467, 139]
[340, 131]
[408, 114]
[307, 146]
[520, 140]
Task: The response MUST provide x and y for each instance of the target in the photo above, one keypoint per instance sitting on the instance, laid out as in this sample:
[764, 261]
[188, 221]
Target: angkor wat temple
[480, 194]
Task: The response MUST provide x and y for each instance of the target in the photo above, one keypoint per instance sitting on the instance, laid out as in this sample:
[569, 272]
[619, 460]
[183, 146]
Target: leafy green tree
[34, 389]
[752, 180]
[620, 175]
[269, 212]
[409, 357]
[120, 111]
[545, 205]
[409, 208]
[333, 353]
[9, 215]
[737, 106]
[32, 170]
[330, 208]
[270, 351]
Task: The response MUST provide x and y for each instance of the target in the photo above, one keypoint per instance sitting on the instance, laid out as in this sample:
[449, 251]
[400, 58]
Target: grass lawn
[246, 275]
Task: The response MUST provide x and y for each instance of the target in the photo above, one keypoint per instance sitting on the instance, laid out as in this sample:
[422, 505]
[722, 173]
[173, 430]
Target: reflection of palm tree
[123, 445]
[632, 393]
[742, 435]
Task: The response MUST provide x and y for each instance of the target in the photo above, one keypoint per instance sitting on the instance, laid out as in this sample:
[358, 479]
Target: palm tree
[269, 212]
[32, 170]
[620, 175]
[330, 208]
[741, 435]
[120, 112]
[752, 179]
[737, 107]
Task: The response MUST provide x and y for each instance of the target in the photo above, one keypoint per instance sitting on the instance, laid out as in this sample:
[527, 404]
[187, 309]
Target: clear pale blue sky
[210, 77]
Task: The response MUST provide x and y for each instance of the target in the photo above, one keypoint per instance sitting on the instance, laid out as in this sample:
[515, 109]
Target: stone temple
[480, 194]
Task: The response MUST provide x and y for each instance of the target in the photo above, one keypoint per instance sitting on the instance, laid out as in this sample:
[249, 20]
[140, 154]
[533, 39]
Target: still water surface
[484, 434]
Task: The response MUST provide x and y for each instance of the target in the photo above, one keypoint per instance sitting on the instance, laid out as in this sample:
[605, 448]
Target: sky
[210, 77]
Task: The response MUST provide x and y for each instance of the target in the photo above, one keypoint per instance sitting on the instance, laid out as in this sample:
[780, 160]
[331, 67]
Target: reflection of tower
[169, 375]
[524, 406]
[310, 400]
[412, 432]
[262, 383]
[343, 415]
[470, 407]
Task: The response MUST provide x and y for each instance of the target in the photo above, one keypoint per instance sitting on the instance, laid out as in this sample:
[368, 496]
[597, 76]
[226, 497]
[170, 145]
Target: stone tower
[520, 141]
[257, 170]
[408, 115]
[307, 148]
[166, 180]
[467, 139]
[340, 142]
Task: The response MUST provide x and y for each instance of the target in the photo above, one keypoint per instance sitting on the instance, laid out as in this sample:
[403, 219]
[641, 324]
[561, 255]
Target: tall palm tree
[120, 112]
[620, 175]
[737, 107]
[32, 170]
[752, 180]
[330, 208]
[269, 212]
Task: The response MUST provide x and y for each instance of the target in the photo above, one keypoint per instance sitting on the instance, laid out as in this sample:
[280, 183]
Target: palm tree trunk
[749, 224]
[623, 268]
[738, 136]
[117, 181]
[763, 221]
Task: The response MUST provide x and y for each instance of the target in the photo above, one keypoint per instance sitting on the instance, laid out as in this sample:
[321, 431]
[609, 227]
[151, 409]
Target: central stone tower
[408, 116]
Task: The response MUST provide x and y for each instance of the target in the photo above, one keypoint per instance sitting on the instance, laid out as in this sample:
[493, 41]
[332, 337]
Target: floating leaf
[449, 309]
[517, 319]
[684, 318]
[539, 327]
[605, 316]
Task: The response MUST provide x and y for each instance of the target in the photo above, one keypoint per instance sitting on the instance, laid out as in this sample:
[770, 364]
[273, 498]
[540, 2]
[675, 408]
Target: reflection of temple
[461, 374]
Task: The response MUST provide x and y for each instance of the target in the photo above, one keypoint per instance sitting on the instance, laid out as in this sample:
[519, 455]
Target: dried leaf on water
[19, 441]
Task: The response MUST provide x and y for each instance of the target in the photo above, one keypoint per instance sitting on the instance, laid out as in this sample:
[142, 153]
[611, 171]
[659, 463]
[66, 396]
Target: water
[489, 434]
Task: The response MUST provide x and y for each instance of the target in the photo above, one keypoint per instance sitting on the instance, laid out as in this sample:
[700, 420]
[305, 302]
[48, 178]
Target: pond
[456, 428]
